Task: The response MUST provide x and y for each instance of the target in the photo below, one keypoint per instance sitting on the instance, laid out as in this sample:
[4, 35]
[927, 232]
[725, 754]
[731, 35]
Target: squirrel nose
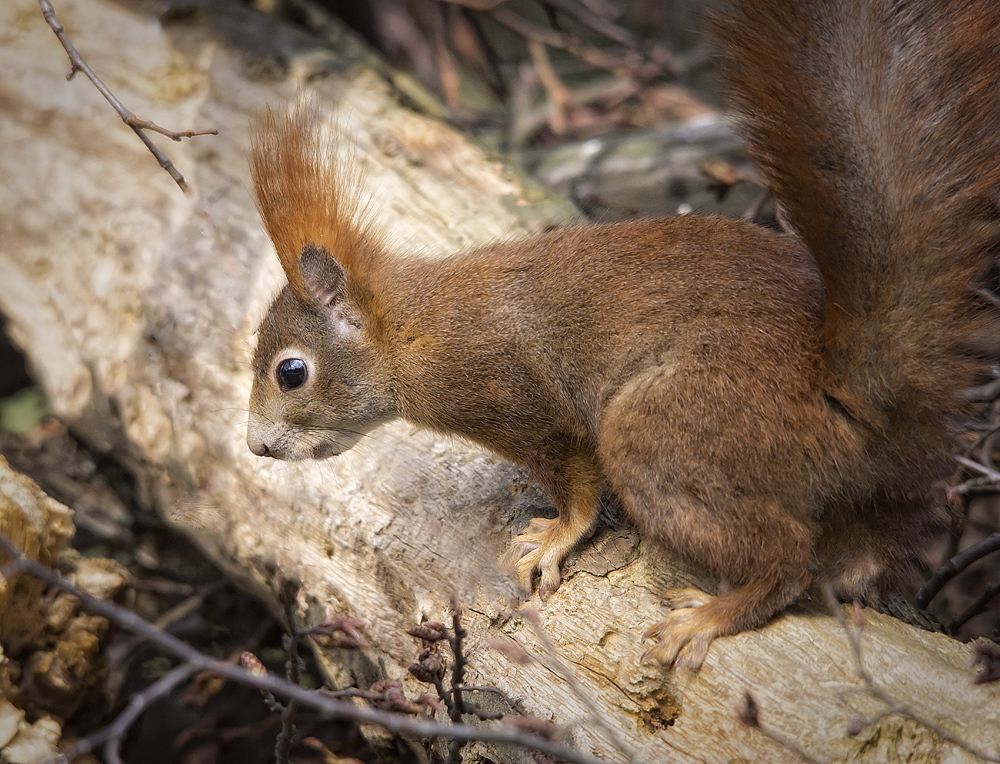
[260, 449]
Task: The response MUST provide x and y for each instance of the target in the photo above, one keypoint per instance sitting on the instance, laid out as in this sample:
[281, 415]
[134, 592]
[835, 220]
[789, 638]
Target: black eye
[292, 373]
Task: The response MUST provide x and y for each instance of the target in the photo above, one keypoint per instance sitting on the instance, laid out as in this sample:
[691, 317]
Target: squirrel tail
[876, 124]
[306, 196]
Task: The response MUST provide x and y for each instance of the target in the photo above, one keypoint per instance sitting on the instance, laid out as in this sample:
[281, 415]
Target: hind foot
[683, 637]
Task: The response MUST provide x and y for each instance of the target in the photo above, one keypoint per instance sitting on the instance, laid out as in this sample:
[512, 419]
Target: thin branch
[597, 22]
[980, 468]
[977, 607]
[982, 393]
[288, 592]
[990, 296]
[893, 706]
[559, 95]
[498, 84]
[139, 126]
[603, 8]
[974, 486]
[954, 566]
[749, 715]
[326, 706]
[619, 64]
[478, 5]
[447, 73]
[112, 735]
[457, 707]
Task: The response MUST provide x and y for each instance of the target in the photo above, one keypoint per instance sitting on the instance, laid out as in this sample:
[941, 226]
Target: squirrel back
[775, 409]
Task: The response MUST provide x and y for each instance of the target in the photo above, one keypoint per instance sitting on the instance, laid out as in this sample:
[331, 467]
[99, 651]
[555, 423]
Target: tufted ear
[307, 195]
[324, 282]
[323, 278]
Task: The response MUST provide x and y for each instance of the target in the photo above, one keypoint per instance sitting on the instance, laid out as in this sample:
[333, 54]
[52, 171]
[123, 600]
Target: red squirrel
[775, 409]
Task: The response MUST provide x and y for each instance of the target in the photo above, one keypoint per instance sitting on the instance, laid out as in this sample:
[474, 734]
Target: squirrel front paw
[536, 549]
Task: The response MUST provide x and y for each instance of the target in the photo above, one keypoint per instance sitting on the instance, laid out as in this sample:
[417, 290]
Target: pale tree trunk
[136, 305]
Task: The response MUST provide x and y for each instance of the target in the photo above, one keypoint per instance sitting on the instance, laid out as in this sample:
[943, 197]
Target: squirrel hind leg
[658, 464]
[748, 541]
[682, 638]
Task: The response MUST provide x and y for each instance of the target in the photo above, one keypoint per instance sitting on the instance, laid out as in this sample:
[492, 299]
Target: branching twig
[954, 566]
[977, 607]
[749, 715]
[139, 126]
[457, 707]
[982, 469]
[893, 706]
[112, 735]
[326, 706]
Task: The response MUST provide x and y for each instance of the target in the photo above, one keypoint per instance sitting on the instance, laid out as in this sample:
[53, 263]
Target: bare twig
[990, 296]
[559, 95]
[982, 393]
[602, 8]
[977, 607]
[893, 706]
[139, 126]
[531, 616]
[326, 706]
[597, 21]
[749, 715]
[288, 592]
[492, 59]
[980, 468]
[954, 566]
[447, 73]
[457, 675]
[478, 5]
[627, 64]
[112, 735]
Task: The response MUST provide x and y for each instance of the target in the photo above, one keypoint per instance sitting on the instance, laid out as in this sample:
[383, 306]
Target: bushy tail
[877, 125]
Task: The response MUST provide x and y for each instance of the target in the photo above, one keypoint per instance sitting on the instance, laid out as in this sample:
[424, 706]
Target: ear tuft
[306, 195]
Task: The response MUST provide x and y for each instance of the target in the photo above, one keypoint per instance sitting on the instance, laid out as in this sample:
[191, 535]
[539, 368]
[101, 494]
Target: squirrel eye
[291, 373]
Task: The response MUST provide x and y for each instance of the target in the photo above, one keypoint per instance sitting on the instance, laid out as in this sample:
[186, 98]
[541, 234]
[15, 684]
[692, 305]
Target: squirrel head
[319, 382]
[318, 385]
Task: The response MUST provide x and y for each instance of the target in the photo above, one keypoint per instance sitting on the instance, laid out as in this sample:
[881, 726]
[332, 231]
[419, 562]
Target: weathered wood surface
[136, 305]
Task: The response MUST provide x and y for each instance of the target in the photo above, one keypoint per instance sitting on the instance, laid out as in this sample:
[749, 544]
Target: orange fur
[306, 194]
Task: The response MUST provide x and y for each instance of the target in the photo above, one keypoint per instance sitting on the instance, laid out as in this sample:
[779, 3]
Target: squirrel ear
[325, 282]
[323, 277]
